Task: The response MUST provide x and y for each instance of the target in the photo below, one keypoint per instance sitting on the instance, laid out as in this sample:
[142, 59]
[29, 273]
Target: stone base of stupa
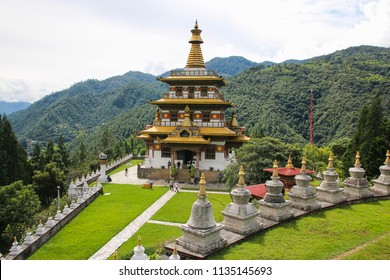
[333, 196]
[241, 219]
[357, 188]
[381, 187]
[275, 211]
[304, 198]
[201, 241]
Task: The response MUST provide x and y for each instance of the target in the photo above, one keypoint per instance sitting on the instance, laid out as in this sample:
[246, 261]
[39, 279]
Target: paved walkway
[117, 241]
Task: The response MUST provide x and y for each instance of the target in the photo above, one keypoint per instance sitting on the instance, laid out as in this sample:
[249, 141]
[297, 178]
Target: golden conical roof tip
[202, 185]
[289, 162]
[303, 167]
[330, 163]
[187, 119]
[275, 167]
[241, 180]
[357, 161]
[233, 121]
[387, 161]
[195, 58]
[157, 116]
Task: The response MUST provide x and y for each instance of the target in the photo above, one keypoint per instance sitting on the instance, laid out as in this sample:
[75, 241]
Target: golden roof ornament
[387, 161]
[202, 186]
[233, 121]
[289, 162]
[195, 58]
[187, 120]
[330, 163]
[303, 167]
[241, 180]
[157, 116]
[275, 167]
[357, 161]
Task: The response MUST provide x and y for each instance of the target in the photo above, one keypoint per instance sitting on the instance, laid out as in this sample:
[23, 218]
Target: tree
[49, 152]
[13, 158]
[18, 204]
[369, 138]
[63, 152]
[259, 153]
[46, 182]
[37, 158]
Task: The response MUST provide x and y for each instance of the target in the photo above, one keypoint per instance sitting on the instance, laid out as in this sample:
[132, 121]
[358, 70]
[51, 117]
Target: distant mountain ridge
[11, 107]
[270, 97]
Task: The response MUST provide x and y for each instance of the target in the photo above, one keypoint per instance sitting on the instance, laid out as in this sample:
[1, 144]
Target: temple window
[179, 92]
[173, 116]
[204, 91]
[206, 117]
[210, 153]
[166, 152]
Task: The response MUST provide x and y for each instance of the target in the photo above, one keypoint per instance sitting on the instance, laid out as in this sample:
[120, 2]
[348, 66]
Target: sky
[49, 45]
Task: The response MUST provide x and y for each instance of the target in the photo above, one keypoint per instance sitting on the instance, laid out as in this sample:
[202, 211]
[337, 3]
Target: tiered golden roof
[195, 58]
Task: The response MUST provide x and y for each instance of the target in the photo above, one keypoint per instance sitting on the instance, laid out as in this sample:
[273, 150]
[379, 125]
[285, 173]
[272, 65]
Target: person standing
[151, 183]
[171, 185]
[177, 187]
[126, 172]
[219, 177]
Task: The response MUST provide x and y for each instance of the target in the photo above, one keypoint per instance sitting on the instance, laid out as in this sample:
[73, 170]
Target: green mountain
[271, 98]
[11, 107]
[84, 106]
[275, 100]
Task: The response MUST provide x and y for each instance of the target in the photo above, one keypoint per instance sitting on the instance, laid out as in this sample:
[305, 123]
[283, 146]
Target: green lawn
[126, 165]
[321, 236]
[178, 208]
[377, 250]
[99, 222]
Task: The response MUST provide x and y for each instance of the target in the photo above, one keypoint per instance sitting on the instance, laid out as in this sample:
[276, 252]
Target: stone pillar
[356, 186]
[201, 234]
[240, 215]
[329, 190]
[382, 184]
[273, 206]
[302, 195]
[139, 251]
[103, 162]
[15, 249]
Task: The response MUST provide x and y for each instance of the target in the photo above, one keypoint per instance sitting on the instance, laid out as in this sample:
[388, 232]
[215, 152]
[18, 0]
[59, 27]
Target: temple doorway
[187, 157]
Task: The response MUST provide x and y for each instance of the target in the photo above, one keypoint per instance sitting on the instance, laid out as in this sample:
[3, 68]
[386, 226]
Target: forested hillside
[275, 100]
[84, 106]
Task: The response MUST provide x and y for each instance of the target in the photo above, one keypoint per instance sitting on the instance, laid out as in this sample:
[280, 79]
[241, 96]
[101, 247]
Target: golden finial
[202, 185]
[157, 116]
[387, 161]
[186, 120]
[241, 180]
[275, 167]
[289, 162]
[195, 58]
[139, 240]
[330, 163]
[174, 249]
[303, 167]
[115, 255]
[233, 121]
[15, 239]
[357, 161]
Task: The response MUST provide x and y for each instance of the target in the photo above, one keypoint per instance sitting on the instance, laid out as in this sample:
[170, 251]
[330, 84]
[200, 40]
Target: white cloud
[49, 43]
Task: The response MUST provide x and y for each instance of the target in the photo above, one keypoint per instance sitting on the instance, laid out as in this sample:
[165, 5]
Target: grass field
[321, 236]
[126, 165]
[98, 223]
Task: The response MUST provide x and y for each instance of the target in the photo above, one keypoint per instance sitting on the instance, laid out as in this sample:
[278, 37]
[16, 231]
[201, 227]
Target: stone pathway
[117, 241]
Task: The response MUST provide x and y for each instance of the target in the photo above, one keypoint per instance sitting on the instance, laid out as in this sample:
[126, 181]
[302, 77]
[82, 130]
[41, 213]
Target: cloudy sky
[46, 46]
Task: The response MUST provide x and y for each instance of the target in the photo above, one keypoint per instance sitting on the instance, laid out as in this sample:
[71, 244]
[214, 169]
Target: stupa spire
[202, 186]
[233, 121]
[357, 161]
[289, 162]
[187, 120]
[303, 167]
[387, 161]
[241, 180]
[275, 173]
[157, 119]
[330, 163]
[195, 58]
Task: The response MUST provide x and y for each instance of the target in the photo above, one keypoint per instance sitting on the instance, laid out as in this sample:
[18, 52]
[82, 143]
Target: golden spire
[289, 162]
[330, 163]
[202, 184]
[187, 120]
[139, 240]
[357, 161]
[157, 120]
[241, 180]
[303, 167]
[174, 249]
[387, 161]
[195, 58]
[275, 167]
[233, 121]
[115, 255]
